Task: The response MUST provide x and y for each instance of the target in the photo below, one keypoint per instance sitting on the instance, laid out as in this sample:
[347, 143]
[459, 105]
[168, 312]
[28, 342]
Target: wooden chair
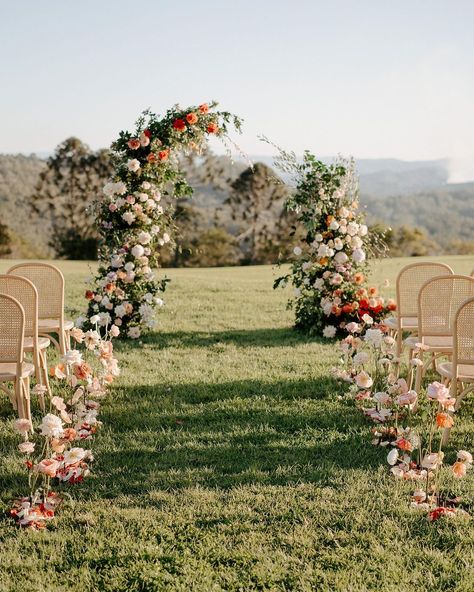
[409, 282]
[25, 292]
[12, 367]
[49, 283]
[438, 302]
[460, 372]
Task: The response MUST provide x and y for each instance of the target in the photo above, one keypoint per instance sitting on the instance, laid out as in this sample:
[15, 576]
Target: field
[228, 462]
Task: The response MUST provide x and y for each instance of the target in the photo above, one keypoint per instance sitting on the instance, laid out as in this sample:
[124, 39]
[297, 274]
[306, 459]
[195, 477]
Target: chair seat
[465, 371]
[8, 370]
[408, 323]
[441, 343]
[43, 343]
[52, 325]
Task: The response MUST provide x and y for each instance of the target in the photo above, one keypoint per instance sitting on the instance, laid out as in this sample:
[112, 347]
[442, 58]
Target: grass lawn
[228, 462]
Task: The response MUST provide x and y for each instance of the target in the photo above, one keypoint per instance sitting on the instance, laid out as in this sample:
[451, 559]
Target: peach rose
[82, 371]
[48, 466]
[444, 420]
[212, 128]
[133, 144]
[204, 108]
[459, 469]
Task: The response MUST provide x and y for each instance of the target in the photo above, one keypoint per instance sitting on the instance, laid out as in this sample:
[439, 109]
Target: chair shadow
[272, 337]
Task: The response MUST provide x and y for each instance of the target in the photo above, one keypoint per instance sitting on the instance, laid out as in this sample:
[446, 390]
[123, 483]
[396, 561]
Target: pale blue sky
[371, 78]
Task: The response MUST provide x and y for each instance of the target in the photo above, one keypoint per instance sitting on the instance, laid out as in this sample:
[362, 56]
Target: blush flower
[363, 380]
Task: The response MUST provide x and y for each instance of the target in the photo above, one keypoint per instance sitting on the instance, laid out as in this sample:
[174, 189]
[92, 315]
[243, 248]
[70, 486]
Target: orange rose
[179, 124]
[212, 128]
[191, 118]
[444, 420]
[329, 219]
[163, 154]
[336, 310]
[459, 469]
[359, 278]
[347, 308]
[323, 261]
[82, 371]
[151, 157]
[372, 291]
[204, 108]
[110, 287]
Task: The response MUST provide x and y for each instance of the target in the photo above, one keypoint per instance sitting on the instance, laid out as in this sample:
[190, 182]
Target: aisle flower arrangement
[132, 220]
[54, 449]
[407, 424]
[329, 273]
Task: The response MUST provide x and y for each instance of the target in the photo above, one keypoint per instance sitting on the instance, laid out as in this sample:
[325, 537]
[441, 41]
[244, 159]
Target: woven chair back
[49, 283]
[409, 282]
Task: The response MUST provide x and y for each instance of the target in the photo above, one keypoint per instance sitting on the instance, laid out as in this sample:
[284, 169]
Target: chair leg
[18, 386]
[45, 378]
[25, 383]
[62, 342]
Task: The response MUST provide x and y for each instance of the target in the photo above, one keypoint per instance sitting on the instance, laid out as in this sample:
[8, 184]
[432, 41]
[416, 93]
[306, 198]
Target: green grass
[228, 462]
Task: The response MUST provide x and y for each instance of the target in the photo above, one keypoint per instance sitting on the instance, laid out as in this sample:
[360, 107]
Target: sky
[368, 78]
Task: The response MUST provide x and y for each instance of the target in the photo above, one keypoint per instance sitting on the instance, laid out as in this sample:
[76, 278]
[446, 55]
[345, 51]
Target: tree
[214, 247]
[73, 179]
[256, 202]
[5, 240]
[406, 241]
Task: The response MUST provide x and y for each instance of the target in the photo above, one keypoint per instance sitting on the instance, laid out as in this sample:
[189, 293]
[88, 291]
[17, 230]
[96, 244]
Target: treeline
[236, 216]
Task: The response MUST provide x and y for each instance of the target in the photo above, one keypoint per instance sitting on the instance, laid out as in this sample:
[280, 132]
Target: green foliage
[5, 240]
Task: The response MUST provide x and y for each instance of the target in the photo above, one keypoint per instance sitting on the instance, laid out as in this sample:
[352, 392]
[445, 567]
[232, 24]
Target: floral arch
[132, 219]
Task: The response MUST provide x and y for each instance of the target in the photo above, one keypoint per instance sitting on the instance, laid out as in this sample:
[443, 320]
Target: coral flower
[212, 128]
[191, 118]
[459, 469]
[372, 291]
[82, 371]
[179, 124]
[152, 157]
[133, 143]
[89, 295]
[204, 108]
[47, 466]
[444, 420]
[391, 304]
[69, 434]
[347, 308]
[359, 278]
[58, 371]
[163, 154]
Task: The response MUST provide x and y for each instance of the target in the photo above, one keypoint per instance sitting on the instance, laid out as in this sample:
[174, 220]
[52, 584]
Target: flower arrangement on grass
[408, 425]
[54, 449]
[329, 272]
[132, 220]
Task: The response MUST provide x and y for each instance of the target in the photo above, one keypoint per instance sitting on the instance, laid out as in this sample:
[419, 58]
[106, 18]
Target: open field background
[227, 462]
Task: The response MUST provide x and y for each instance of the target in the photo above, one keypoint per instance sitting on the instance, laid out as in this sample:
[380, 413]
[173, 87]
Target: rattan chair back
[439, 301]
[49, 283]
[409, 282]
[12, 327]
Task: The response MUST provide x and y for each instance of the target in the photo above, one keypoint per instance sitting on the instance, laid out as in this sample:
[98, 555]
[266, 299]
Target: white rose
[338, 244]
[363, 230]
[334, 225]
[341, 258]
[297, 251]
[74, 455]
[352, 228]
[358, 255]
[138, 251]
[144, 238]
[128, 217]
[133, 165]
[329, 331]
[374, 337]
[51, 426]
[392, 456]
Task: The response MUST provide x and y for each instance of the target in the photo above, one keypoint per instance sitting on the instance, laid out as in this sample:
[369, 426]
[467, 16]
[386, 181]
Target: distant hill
[395, 192]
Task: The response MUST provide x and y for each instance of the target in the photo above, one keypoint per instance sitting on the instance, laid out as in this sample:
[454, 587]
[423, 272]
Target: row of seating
[31, 318]
[436, 306]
